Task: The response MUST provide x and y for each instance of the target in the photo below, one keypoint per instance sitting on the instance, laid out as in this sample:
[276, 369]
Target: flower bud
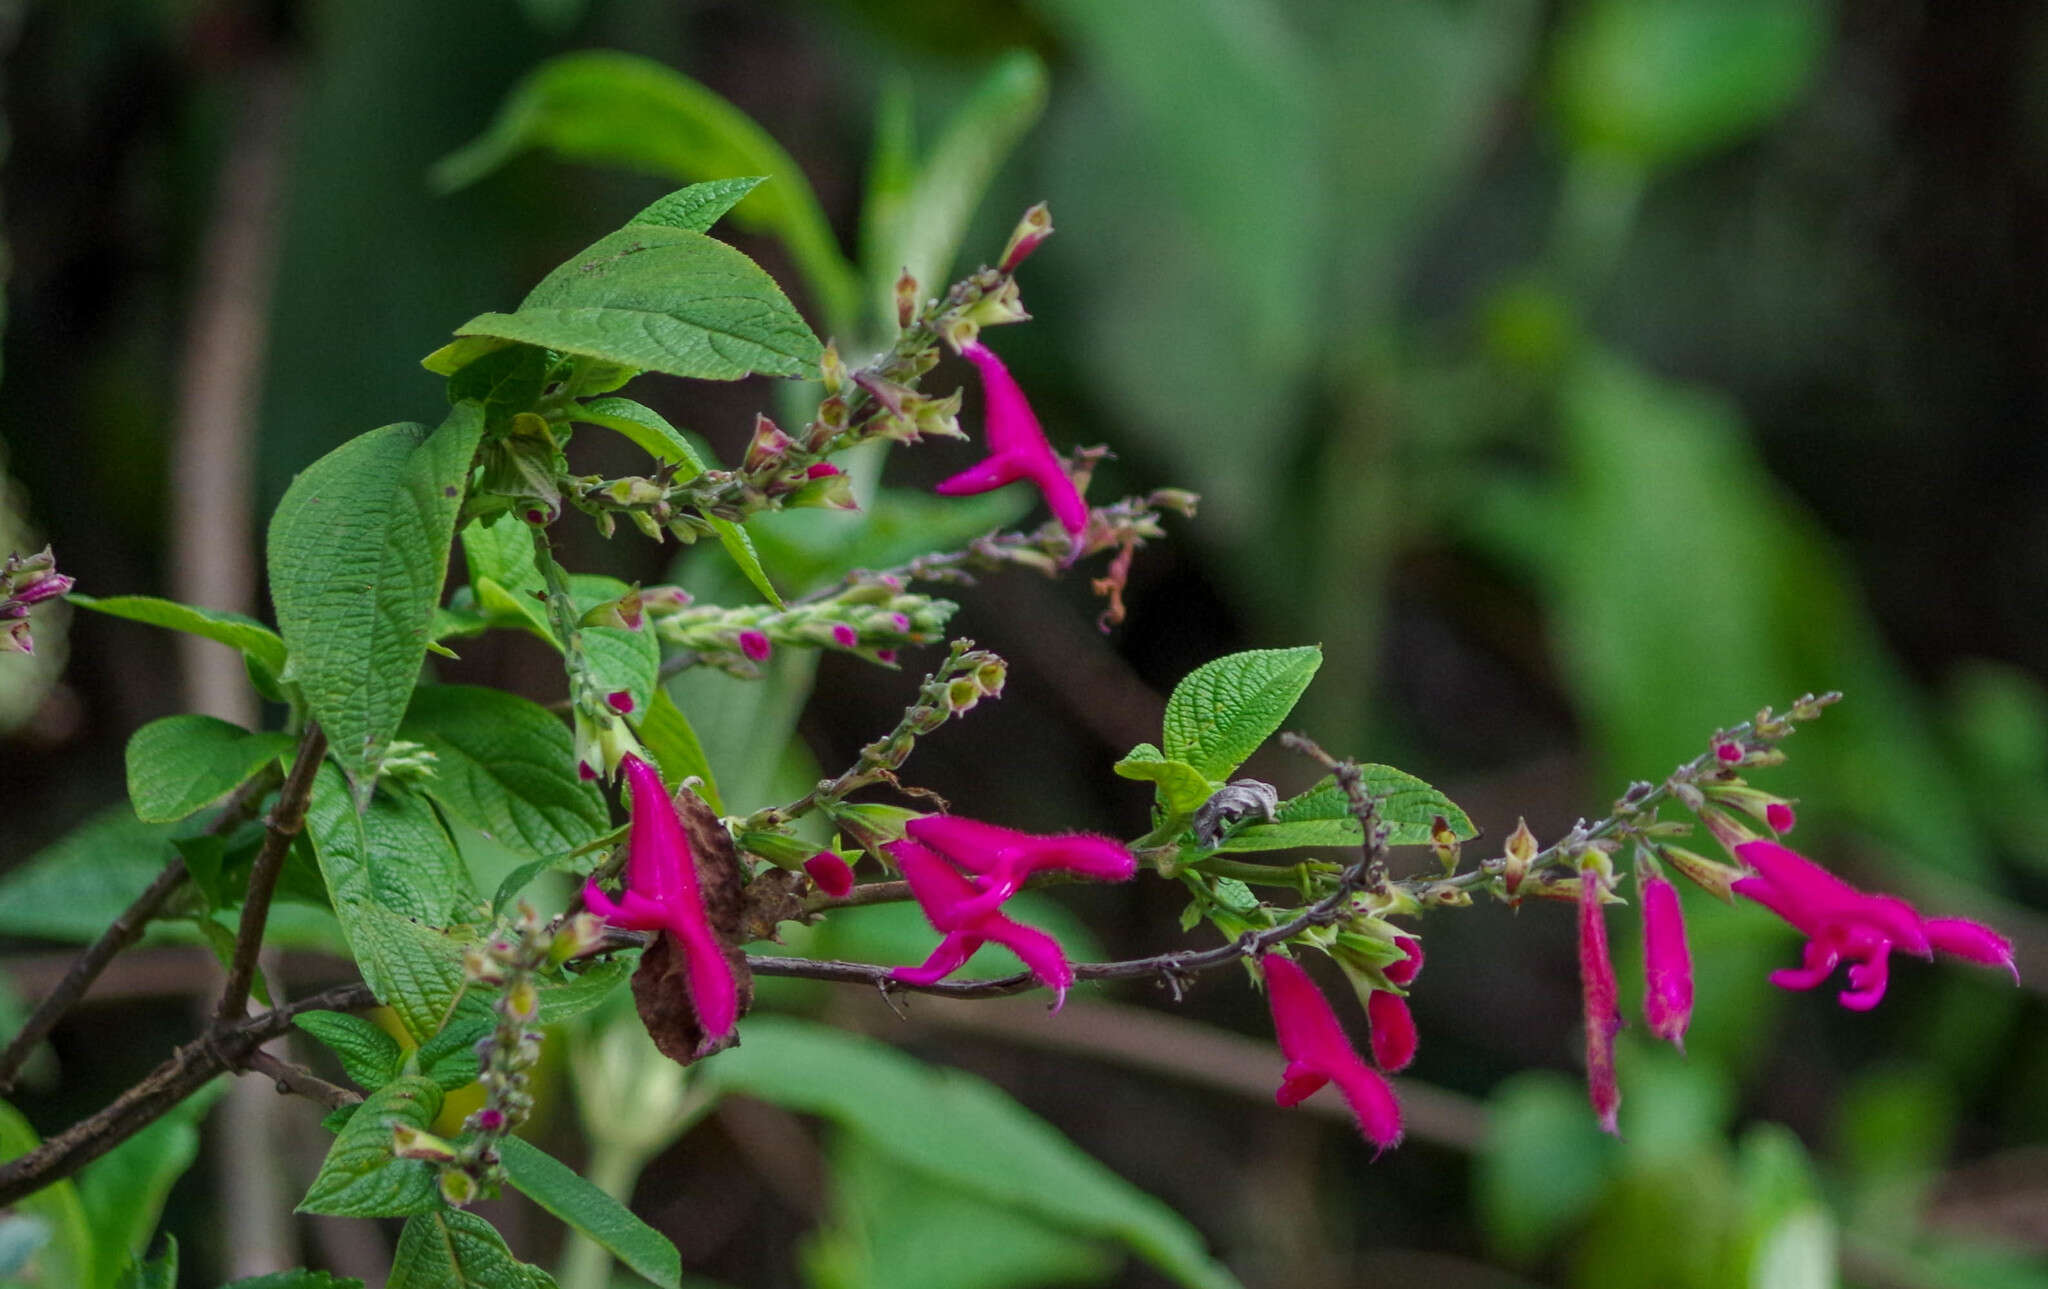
[962, 694]
[1445, 843]
[578, 937]
[832, 369]
[1725, 828]
[458, 1187]
[1002, 306]
[779, 849]
[831, 873]
[1521, 848]
[1772, 811]
[755, 645]
[408, 1142]
[627, 613]
[1031, 231]
[832, 491]
[768, 444]
[1713, 877]
[41, 586]
[906, 300]
[522, 1000]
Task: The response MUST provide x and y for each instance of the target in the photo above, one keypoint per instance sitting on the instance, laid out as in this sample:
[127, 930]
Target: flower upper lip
[1017, 447]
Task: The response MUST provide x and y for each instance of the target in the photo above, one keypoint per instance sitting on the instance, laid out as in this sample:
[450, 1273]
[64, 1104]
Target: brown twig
[191, 1067]
[124, 931]
[286, 818]
[297, 1080]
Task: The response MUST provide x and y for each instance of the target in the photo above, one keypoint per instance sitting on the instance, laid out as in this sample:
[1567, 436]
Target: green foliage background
[1580, 377]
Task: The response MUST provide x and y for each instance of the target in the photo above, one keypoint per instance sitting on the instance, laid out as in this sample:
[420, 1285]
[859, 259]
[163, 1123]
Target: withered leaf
[660, 988]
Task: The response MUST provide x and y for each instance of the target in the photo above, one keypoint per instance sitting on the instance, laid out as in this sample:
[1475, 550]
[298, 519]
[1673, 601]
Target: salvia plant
[355, 802]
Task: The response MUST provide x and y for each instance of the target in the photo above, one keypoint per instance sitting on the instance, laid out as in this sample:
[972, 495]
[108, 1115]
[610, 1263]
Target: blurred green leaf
[1542, 1166]
[919, 231]
[360, 1176]
[123, 1191]
[556, 1187]
[298, 1279]
[1997, 717]
[1664, 81]
[618, 109]
[1222, 711]
[1788, 1237]
[179, 765]
[666, 300]
[71, 889]
[160, 1272]
[892, 1228]
[668, 734]
[959, 1132]
[504, 764]
[358, 551]
[70, 1258]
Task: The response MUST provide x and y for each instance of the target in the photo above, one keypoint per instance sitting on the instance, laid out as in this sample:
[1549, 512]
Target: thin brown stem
[191, 1067]
[122, 932]
[286, 818]
[296, 1080]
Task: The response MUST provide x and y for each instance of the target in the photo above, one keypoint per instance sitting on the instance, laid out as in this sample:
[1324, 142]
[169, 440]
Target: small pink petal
[621, 701]
[1410, 966]
[1779, 818]
[755, 645]
[1971, 941]
[1393, 1031]
[1727, 753]
[844, 636]
[831, 873]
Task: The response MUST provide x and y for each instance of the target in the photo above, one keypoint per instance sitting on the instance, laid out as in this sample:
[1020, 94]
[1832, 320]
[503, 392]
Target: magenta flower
[1404, 972]
[1004, 859]
[755, 645]
[1017, 447]
[844, 636]
[621, 701]
[1667, 962]
[1597, 992]
[831, 874]
[942, 892]
[1317, 1053]
[662, 895]
[1842, 924]
[1393, 1030]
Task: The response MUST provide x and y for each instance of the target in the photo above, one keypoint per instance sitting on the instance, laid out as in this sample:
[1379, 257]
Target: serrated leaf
[666, 300]
[1234, 895]
[370, 1056]
[616, 657]
[504, 764]
[384, 868]
[449, 1058]
[297, 1279]
[1223, 710]
[455, 1249]
[360, 1177]
[258, 642]
[1180, 787]
[664, 442]
[179, 765]
[668, 734]
[358, 551]
[699, 206]
[556, 1187]
[503, 382]
[1322, 815]
[628, 111]
[920, 1116]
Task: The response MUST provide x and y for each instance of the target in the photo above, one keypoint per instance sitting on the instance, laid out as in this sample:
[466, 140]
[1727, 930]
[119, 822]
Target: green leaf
[699, 206]
[619, 109]
[1223, 710]
[258, 642]
[962, 1133]
[151, 1273]
[370, 1056]
[123, 1191]
[452, 1248]
[556, 1187]
[1542, 1166]
[460, 353]
[1322, 815]
[298, 1279]
[383, 868]
[504, 382]
[73, 888]
[616, 657]
[181, 764]
[1181, 787]
[667, 300]
[1658, 84]
[504, 764]
[360, 1177]
[358, 550]
[70, 1256]
[667, 733]
[892, 1227]
[922, 233]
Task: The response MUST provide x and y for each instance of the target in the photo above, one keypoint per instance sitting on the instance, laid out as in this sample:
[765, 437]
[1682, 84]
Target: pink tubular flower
[943, 894]
[1017, 447]
[1404, 972]
[1779, 818]
[1317, 1053]
[831, 874]
[1667, 962]
[661, 895]
[1842, 924]
[1603, 1016]
[1005, 859]
[1393, 1030]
